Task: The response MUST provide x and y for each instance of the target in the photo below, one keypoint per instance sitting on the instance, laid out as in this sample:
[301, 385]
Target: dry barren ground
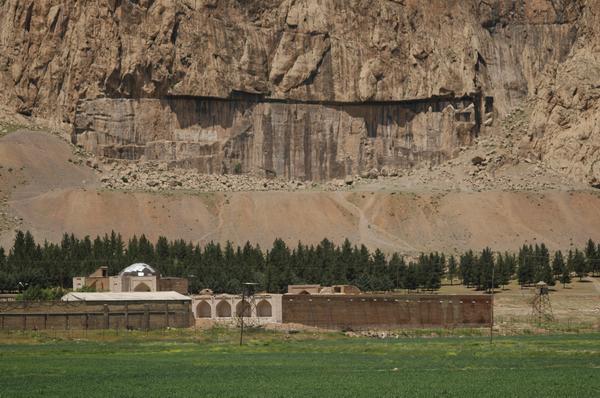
[576, 304]
[49, 193]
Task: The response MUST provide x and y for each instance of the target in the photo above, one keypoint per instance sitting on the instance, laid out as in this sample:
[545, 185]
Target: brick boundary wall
[62, 315]
[387, 311]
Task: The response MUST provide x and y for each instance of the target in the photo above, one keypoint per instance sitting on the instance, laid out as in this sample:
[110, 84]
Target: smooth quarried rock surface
[308, 141]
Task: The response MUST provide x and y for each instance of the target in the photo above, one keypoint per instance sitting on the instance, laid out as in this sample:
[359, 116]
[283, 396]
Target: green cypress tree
[596, 265]
[362, 259]
[467, 265]
[4, 283]
[558, 265]
[544, 272]
[506, 269]
[162, 254]
[411, 280]
[591, 255]
[381, 278]
[346, 269]
[486, 265]
[398, 270]
[145, 250]
[501, 278]
[436, 271]
[2, 259]
[328, 260]
[579, 264]
[423, 271]
[278, 262]
[565, 274]
[452, 269]
[525, 265]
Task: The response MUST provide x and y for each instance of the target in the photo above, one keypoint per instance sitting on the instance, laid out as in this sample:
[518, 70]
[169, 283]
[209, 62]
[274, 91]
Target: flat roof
[128, 296]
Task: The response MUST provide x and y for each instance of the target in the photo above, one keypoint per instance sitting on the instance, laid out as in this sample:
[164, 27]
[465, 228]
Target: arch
[142, 287]
[304, 292]
[223, 309]
[264, 309]
[246, 309]
[203, 310]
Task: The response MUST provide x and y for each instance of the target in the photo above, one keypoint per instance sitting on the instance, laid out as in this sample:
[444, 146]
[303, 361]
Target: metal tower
[541, 309]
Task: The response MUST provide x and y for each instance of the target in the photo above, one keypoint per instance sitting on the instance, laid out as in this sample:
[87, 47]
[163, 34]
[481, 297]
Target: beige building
[257, 309]
[98, 280]
[318, 289]
[137, 277]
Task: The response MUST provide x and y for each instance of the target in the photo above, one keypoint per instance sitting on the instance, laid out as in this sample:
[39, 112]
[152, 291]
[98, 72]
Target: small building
[137, 277]
[318, 289]
[97, 280]
[304, 289]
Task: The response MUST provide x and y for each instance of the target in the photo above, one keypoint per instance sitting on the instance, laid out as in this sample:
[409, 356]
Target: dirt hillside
[49, 193]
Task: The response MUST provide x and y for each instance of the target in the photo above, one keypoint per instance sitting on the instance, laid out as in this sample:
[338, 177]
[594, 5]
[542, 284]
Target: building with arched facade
[257, 309]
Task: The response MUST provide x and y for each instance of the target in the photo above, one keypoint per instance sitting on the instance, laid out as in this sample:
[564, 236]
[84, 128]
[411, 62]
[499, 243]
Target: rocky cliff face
[565, 127]
[135, 76]
[292, 139]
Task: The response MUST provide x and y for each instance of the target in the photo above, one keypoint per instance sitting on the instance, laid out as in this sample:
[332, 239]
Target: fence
[84, 315]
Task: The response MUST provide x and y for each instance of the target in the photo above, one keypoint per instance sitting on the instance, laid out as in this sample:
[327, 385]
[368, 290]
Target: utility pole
[245, 285]
[492, 308]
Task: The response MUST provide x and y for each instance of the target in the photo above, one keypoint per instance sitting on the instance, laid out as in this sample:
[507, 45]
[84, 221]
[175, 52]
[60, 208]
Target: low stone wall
[82, 315]
[386, 311]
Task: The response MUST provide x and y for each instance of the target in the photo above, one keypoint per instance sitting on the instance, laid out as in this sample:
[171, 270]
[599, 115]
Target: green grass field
[210, 364]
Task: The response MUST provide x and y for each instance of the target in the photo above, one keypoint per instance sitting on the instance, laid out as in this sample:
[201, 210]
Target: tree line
[224, 268]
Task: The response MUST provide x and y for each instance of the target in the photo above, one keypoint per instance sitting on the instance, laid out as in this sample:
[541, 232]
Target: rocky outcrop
[54, 53]
[290, 139]
[137, 56]
[565, 126]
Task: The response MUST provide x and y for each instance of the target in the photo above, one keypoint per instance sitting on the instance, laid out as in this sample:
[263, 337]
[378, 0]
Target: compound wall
[386, 311]
[82, 315]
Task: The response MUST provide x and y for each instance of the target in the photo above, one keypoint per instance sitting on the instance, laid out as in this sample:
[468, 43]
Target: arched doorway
[223, 309]
[203, 310]
[142, 287]
[245, 306]
[264, 310]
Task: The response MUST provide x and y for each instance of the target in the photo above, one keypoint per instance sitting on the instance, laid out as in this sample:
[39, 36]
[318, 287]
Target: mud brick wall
[387, 311]
[179, 285]
[109, 315]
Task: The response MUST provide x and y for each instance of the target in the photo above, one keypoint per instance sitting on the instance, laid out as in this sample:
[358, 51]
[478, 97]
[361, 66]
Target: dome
[138, 269]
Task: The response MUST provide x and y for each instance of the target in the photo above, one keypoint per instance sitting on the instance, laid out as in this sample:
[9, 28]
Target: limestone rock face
[565, 126]
[54, 53]
[135, 77]
[299, 140]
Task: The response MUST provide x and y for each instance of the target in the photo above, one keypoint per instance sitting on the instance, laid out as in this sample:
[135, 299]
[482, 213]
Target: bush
[36, 293]
[237, 169]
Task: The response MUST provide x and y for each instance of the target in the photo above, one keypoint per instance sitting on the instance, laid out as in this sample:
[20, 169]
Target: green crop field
[303, 365]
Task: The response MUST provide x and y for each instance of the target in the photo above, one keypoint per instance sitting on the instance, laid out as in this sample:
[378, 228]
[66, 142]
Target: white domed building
[138, 277]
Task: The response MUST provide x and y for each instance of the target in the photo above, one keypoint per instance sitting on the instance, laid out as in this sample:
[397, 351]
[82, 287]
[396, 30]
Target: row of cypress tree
[224, 268]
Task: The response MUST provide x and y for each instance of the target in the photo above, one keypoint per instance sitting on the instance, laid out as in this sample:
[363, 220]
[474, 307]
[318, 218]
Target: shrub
[237, 169]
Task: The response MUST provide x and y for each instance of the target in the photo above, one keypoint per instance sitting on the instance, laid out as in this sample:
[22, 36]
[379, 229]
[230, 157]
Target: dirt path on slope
[371, 234]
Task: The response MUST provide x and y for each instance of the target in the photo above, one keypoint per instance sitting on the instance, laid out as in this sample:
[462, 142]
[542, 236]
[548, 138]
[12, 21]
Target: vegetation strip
[210, 364]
